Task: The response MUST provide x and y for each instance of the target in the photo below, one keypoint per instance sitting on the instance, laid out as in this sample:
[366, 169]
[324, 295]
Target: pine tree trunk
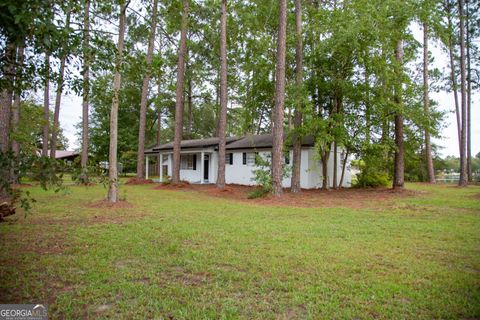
[347, 152]
[325, 157]
[117, 82]
[6, 97]
[16, 110]
[223, 97]
[46, 107]
[463, 143]
[277, 132]
[159, 114]
[426, 107]
[86, 90]
[335, 165]
[144, 97]
[190, 106]
[399, 169]
[298, 113]
[453, 78]
[179, 94]
[469, 99]
[58, 98]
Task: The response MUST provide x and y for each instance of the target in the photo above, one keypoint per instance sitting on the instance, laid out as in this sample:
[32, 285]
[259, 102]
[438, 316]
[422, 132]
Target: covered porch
[196, 166]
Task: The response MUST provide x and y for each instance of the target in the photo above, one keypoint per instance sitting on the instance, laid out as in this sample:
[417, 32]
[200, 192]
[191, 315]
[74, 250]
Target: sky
[71, 109]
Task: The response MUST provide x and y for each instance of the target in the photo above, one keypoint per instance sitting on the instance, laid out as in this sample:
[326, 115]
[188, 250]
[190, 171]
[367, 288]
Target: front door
[206, 166]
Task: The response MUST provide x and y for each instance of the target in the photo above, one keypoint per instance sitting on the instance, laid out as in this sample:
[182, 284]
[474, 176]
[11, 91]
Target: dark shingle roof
[246, 142]
[190, 144]
[262, 141]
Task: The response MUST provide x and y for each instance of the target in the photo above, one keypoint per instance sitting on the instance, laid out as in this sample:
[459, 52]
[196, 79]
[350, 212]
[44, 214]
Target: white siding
[238, 173]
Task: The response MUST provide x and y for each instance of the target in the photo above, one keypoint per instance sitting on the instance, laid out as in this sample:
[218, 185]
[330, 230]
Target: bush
[372, 179]
[258, 193]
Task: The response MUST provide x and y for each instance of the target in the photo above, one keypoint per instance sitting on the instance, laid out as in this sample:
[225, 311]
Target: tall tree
[86, 89]
[453, 77]
[6, 97]
[222, 124]
[144, 99]
[399, 168]
[426, 106]
[463, 142]
[16, 108]
[117, 81]
[179, 93]
[297, 116]
[469, 96]
[46, 106]
[278, 112]
[60, 83]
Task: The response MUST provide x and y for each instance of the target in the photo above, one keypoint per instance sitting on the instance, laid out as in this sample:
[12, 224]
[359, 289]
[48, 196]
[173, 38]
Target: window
[188, 162]
[287, 158]
[249, 158]
[229, 158]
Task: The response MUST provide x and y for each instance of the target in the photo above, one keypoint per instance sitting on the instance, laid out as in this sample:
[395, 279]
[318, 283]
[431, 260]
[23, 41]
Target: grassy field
[186, 255]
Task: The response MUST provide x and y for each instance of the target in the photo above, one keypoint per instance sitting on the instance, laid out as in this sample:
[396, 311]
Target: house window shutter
[231, 158]
[287, 158]
[244, 158]
[194, 162]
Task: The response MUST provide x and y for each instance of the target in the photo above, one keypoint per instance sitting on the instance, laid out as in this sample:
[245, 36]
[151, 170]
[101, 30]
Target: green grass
[184, 255]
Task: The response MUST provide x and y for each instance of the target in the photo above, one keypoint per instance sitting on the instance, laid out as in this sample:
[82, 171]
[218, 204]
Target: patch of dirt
[348, 197]
[475, 196]
[138, 181]
[105, 204]
[173, 186]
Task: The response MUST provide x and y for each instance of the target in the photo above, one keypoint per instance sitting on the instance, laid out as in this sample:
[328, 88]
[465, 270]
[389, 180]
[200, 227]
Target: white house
[199, 161]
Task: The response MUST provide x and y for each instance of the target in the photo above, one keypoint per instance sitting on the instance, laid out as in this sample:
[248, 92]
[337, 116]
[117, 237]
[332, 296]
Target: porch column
[146, 166]
[160, 157]
[202, 169]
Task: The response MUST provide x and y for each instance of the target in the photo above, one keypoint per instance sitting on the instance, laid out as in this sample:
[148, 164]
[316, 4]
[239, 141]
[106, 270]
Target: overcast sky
[71, 110]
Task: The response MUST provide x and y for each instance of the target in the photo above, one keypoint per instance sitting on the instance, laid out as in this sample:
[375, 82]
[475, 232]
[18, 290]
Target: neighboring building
[199, 161]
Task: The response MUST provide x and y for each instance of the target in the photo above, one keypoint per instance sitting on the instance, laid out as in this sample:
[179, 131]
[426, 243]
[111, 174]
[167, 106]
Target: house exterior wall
[238, 173]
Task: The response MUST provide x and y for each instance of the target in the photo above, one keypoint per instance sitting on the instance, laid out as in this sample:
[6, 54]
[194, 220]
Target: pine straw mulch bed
[346, 197]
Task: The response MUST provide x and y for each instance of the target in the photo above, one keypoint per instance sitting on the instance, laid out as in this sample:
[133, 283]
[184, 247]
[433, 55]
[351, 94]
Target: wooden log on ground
[6, 209]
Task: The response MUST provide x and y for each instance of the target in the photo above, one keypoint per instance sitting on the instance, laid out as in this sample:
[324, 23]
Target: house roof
[60, 154]
[191, 144]
[262, 141]
[245, 142]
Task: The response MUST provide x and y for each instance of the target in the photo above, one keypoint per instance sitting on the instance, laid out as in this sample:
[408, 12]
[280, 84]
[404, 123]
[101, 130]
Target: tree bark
[16, 109]
[463, 143]
[453, 78]
[117, 82]
[469, 99]
[399, 169]
[159, 114]
[144, 97]
[179, 94]
[190, 105]
[58, 98]
[6, 97]
[277, 132]
[46, 107]
[86, 90]
[223, 97]
[298, 113]
[344, 164]
[426, 107]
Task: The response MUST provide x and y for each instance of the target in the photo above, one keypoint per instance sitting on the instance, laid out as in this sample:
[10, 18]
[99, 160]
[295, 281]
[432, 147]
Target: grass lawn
[183, 254]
